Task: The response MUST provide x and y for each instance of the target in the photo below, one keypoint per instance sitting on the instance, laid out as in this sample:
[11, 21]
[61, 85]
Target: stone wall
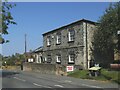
[11, 67]
[41, 68]
[55, 69]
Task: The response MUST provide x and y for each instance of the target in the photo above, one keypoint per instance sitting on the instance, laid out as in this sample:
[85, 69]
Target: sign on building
[70, 68]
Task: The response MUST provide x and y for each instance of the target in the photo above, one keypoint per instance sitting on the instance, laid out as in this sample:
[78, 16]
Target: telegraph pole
[25, 46]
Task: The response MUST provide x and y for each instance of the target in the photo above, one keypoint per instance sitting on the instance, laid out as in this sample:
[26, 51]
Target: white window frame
[58, 58]
[70, 58]
[45, 59]
[71, 35]
[58, 41]
[48, 41]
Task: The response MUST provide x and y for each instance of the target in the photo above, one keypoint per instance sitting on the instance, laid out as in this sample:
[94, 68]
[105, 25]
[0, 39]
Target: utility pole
[25, 47]
[86, 47]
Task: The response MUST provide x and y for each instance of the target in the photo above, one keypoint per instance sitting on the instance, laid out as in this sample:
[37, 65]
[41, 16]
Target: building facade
[37, 54]
[70, 44]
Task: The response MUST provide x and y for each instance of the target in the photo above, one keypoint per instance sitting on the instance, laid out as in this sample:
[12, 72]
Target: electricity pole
[25, 47]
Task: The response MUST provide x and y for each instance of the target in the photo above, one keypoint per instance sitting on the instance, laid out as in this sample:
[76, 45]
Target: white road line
[19, 79]
[59, 86]
[37, 84]
[41, 85]
[91, 86]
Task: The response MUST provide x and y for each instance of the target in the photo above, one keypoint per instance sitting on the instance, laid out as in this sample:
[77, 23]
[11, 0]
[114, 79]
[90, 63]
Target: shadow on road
[8, 73]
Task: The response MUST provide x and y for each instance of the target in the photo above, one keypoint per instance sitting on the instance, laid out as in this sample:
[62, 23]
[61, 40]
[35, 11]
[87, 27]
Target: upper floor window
[58, 58]
[48, 41]
[58, 39]
[71, 58]
[71, 35]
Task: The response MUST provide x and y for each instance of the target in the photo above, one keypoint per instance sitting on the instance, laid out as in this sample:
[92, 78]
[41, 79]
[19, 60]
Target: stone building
[37, 54]
[69, 44]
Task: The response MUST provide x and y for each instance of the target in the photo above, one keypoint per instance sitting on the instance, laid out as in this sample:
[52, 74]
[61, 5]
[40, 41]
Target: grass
[106, 75]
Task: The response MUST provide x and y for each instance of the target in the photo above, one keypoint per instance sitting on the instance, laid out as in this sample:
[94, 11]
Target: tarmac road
[20, 79]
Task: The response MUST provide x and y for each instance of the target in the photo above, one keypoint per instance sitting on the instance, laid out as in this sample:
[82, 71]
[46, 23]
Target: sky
[36, 18]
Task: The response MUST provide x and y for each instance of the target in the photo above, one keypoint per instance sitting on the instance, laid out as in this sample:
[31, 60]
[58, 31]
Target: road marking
[37, 84]
[68, 81]
[19, 79]
[41, 85]
[58, 86]
[91, 86]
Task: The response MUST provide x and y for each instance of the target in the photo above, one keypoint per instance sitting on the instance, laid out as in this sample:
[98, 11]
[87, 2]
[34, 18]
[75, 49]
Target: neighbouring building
[37, 54]
[70, 44]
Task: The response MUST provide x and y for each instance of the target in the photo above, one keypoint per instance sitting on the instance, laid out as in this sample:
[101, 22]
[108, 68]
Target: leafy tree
[106, 38]
[5, 19]
[16, 59]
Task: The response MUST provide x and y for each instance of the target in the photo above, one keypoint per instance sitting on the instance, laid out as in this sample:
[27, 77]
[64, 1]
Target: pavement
[21, 79]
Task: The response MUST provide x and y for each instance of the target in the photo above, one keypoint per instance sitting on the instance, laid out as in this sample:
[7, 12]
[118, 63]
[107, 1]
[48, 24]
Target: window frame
[71, 59]
[48, 41]
[57, 58]
[71, 35]
[58, 38]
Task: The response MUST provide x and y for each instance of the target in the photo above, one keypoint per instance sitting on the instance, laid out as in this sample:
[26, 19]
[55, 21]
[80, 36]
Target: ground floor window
[58, 58]
[49, 59]
[71, 58]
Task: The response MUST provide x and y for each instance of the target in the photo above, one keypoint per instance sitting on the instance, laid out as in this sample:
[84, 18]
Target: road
[20, 79]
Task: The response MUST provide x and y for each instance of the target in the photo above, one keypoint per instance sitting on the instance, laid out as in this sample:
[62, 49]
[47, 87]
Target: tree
[5, 19]
[106, 38]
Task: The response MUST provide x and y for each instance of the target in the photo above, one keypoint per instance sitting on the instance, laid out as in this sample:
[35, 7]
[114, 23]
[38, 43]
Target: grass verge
[106, 75]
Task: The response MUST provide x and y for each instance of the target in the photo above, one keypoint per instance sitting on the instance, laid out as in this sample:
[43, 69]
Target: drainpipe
[86, 47]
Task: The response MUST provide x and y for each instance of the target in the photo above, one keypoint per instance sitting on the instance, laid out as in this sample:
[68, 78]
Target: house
[29, 57]
[70, 44]
[37, 54]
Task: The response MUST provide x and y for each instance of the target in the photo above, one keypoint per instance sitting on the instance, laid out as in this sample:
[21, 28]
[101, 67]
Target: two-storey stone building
[69, 44]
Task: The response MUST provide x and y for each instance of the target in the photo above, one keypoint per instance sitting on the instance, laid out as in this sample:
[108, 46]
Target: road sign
[70, 68]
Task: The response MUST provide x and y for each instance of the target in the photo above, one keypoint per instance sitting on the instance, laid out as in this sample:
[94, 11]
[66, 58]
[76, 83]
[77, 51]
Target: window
[58, 58]
[71, 35]
[71, 58]
[48, 41]
[58, 41]
[45, 59]
[49, 59]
